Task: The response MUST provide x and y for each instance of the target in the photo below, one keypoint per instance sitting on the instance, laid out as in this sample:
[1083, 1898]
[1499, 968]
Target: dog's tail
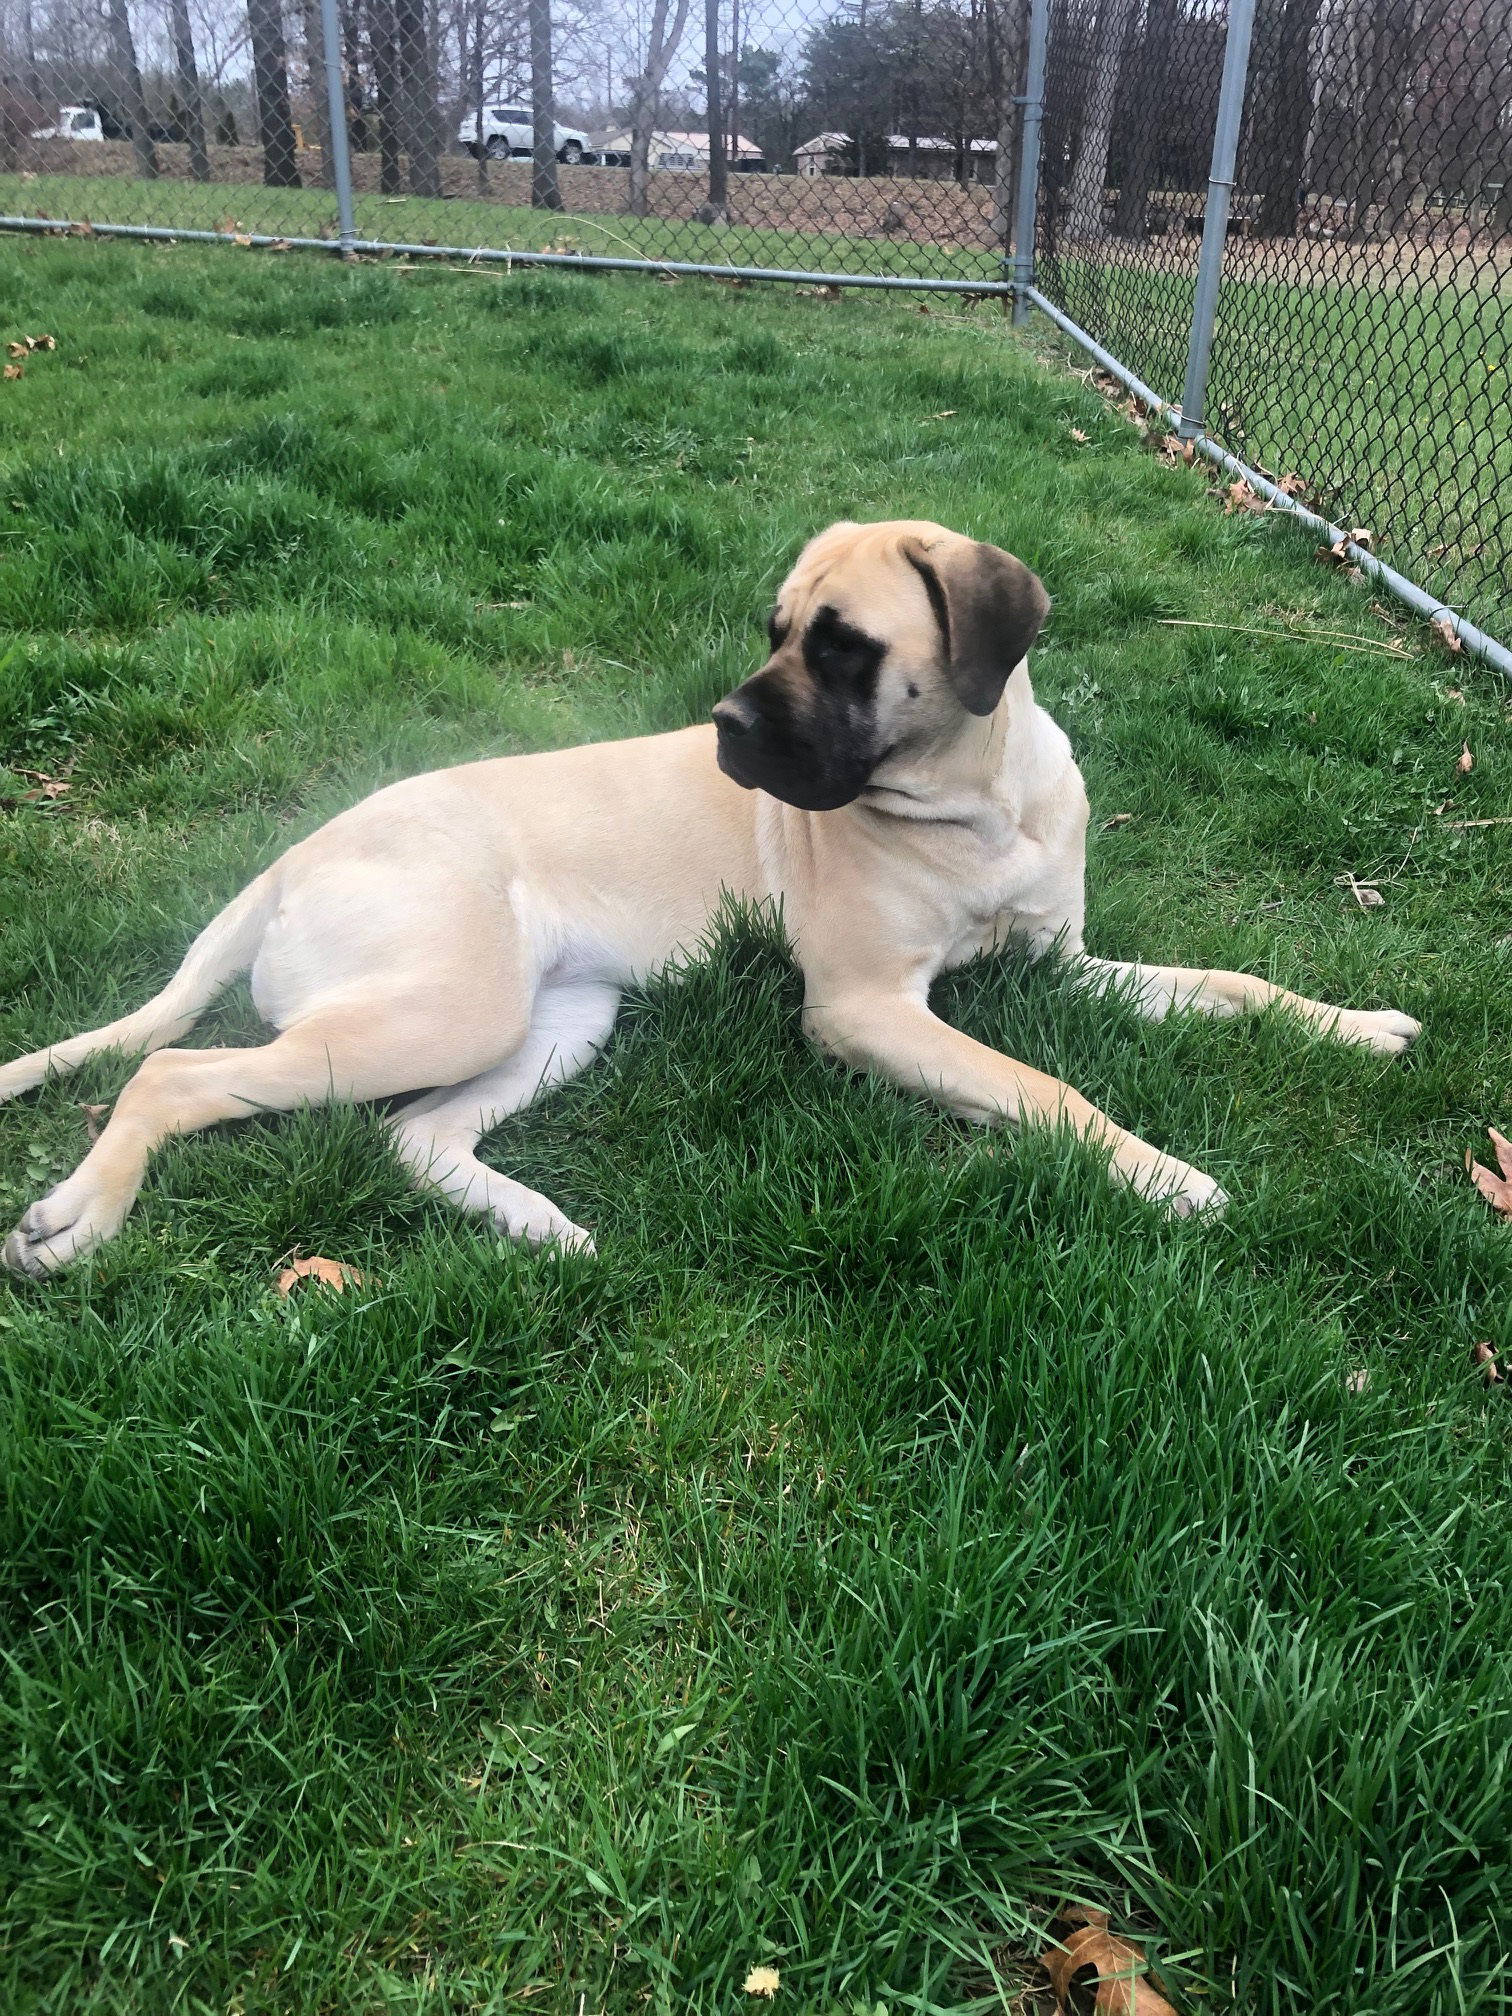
[227, 946]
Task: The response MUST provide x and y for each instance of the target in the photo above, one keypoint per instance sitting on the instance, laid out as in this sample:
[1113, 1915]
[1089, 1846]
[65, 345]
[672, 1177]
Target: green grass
[894, 1530]
[304, 213]
[1391, 401]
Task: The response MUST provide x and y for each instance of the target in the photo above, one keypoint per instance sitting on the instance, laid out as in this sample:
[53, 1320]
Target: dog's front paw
[1180, 1189]
[1384, 1030]
[58, 1230]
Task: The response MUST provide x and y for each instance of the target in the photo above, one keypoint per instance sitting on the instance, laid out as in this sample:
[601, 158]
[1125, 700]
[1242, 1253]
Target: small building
[825, 154]
[927, 158]
[678, 153]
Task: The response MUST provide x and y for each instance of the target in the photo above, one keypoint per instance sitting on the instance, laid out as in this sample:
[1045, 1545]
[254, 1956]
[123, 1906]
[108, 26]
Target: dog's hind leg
[437, 1135]
[227, 946]
[452, 1027]
[1156, 991]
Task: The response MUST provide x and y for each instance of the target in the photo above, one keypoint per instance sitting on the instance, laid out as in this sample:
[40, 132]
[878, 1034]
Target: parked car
[509, 129]
[82, 122]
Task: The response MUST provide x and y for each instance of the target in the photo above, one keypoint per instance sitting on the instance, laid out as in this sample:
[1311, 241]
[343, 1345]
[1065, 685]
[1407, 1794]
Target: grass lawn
[1390, 400]
[417, 220]
[894, 1530]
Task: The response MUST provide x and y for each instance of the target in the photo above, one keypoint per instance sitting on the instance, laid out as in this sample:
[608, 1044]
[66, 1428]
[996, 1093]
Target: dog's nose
[735, 716]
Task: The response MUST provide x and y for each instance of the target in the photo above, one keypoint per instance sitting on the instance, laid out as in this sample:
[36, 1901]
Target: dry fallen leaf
[14, 371]
[949, 413]
[41, 342]
[1447, 635]
[330, 1273]
[1242, 498]
[1292, 486]
[1358, 1381]
[1365, 894]
[1496, 1189]
[1486, 1357]
[93, 1115]
[1078, 437]
[15, 349]
[1466, 761]
[1118, 819]
[1096, 1973]
[763, 1981]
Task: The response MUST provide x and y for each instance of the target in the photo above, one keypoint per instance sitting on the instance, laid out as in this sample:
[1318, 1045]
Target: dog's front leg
[897, 1036]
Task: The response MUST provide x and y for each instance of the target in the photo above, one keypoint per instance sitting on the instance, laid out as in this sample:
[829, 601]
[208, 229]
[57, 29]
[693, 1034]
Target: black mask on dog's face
[882, 638]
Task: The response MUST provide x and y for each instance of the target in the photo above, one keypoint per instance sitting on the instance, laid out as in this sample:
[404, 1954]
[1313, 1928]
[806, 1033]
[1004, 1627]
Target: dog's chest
[1011, 888]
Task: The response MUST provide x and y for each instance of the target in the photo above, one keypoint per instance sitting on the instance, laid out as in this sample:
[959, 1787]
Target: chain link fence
[1290, 219]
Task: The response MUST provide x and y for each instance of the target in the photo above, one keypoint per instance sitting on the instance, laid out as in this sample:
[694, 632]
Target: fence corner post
[1215, 220]
[1033, 102]
[341, 155]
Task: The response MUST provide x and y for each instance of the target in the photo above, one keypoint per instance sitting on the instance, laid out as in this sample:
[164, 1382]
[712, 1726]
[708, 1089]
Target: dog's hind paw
[1384, 1030]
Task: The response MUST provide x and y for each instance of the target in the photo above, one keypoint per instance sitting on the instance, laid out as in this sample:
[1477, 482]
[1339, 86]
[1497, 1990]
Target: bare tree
[129, 84]
[314, 38]
[189, 90]
[420, 118]
[715, 209]
[661, 47]
[1089, 172]
[545, 192]
[386, 91]
[1007, 52]
[270, 82]
[1151, 83]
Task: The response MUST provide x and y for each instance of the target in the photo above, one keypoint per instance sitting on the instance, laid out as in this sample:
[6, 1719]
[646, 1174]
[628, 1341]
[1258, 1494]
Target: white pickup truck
[77, 122]
[508, 129]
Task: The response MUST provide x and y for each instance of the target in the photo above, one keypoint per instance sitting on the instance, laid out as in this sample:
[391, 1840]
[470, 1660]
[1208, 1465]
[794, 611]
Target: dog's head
[885, 639]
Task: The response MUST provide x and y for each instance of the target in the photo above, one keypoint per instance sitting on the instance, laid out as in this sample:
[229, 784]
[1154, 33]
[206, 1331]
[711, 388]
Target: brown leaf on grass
[1447, 635]
[762, 1981]
[13, 371]
[1358, 1381]
[949, 413]
[1466, 761]
[241, 238]
[15, 350]
[1242, 498]
[93, 1115]
[1495, 1187]
[1189, 451]
[1486, 1357]
[83, 229]
[330, 1273]
[1292, 486]
[41, 342]
[1078, 437]
[1118, 819]
[1365, 894]
[1094, 1972]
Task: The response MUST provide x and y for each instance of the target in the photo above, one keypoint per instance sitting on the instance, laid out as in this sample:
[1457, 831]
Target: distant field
[1393, 402]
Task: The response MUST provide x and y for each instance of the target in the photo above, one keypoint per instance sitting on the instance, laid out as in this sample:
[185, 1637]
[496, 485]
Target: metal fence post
[1033, 102]
[1236, 51]
[341, 156]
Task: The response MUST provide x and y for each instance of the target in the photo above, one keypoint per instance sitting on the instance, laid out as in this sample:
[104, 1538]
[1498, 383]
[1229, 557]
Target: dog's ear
[989, 607]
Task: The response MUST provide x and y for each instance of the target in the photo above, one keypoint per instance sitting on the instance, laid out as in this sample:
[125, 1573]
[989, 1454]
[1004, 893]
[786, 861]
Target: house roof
[929, 144]
[676, 143]
[824, 143]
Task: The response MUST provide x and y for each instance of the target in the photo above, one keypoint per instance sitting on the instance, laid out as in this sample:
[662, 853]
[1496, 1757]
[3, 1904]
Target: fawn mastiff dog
[886, 777]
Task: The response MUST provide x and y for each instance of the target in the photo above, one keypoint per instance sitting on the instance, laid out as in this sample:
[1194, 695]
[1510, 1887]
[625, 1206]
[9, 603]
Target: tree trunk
[1130, 218]
[1283, 151]
[545, 191]
[386, 89]
[716, 207]
[479, 149]
[129, 84]
[417, 93]
[1008, 53]
[1089, 173]
[270, 83]
[189, 89]
[320, 96]
[660, 50]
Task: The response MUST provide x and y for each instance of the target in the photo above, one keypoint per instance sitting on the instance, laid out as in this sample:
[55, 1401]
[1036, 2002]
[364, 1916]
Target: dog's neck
[952, 782]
